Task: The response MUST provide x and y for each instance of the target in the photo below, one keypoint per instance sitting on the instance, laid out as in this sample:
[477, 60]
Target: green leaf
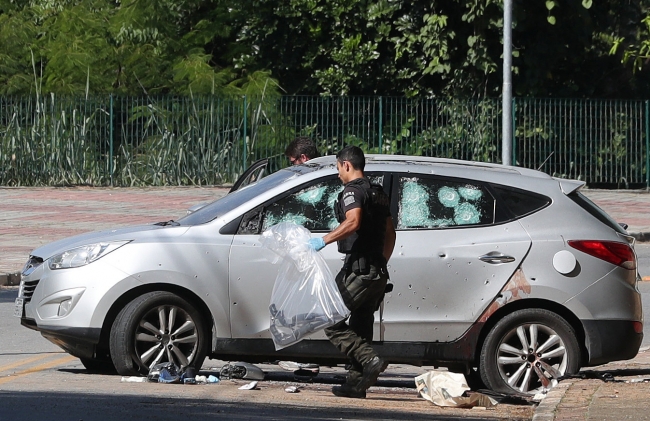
[551, 19]
[550, 4]
[587, 3]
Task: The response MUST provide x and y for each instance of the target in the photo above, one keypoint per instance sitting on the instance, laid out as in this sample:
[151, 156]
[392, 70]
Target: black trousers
[362, 293]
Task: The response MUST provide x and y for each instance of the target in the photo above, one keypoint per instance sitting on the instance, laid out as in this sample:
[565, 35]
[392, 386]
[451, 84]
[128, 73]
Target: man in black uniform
[367, 237]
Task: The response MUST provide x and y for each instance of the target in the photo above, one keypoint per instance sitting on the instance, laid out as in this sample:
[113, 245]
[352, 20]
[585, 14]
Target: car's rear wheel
[527, 351]
[154, 328]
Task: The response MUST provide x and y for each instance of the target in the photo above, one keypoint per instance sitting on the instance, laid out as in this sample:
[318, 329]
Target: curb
[9, 279]
[641, 237]
[545, 411]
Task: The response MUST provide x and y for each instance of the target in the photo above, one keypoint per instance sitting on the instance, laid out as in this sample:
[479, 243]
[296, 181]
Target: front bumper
[611, 340]
[61, 304]
[79, 342]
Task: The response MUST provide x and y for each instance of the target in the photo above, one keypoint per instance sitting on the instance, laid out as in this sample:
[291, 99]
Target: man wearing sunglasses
[301, 150]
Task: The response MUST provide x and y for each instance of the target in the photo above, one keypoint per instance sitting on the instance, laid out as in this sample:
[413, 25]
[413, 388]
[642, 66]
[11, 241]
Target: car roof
[511, 175]
[401, 161]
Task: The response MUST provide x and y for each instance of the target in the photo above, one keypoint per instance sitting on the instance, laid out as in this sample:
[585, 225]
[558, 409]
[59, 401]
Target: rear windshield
[586, 204]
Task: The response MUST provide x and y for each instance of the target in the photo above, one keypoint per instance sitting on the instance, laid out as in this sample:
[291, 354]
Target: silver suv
[501, 269]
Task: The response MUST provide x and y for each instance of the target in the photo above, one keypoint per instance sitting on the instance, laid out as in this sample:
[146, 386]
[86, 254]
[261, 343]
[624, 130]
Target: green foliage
[458, 129]
[98, 46]
[77, 50]
[636, 48]
[18, 53]
[448, 48]
[435, 49]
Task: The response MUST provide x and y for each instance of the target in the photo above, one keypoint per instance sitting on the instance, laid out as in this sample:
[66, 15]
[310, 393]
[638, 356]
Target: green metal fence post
[110, 137]
[647, 144]
[245, 132]
[381, 125]
[514, 132]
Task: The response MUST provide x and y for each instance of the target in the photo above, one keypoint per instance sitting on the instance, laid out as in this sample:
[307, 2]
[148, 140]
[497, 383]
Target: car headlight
[81, 256]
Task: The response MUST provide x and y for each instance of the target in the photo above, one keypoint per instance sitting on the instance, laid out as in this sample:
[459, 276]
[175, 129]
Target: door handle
[494, 257]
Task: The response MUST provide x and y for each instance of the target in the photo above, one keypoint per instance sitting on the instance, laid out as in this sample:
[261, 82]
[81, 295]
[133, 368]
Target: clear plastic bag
[305, 298]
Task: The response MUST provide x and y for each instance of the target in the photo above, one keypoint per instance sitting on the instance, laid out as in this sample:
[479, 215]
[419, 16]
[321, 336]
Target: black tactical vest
[368, 240]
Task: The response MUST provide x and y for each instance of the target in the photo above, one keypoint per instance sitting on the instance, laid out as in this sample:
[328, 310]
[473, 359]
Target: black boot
[348, 390]
[352, 386]
[371, 371]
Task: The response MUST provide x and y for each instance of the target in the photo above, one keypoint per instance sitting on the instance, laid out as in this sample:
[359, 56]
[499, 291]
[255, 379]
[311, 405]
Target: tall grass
[143, 141]
[178, 141]
[52, 141]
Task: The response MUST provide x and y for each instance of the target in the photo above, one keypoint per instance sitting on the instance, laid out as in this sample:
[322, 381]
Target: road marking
[39, 367]
[23, 362]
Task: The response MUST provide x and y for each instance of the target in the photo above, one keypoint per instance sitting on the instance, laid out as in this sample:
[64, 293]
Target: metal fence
[137, 141]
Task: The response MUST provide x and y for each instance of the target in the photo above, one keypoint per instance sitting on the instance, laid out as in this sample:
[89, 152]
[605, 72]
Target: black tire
[474, 380]
[508, 365]
[98, 366]
[140, 338]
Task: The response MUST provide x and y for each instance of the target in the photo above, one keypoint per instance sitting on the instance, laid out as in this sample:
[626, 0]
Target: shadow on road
[611, 375]
[288, 377]
[390, 380]
[30, 406]
[8, 295]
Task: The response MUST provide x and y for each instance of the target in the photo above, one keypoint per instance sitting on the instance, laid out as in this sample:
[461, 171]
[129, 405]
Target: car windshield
[233, 200]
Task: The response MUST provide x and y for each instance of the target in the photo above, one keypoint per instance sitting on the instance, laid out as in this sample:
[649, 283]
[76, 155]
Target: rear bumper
[611, 340]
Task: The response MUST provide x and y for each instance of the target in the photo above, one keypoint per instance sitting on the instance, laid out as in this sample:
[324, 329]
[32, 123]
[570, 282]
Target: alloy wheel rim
[531, 358]
[166, 334]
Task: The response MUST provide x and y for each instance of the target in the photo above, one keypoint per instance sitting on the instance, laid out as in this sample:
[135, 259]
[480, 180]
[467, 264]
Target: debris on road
[133, 379]
[313, 369]
[444, 388]
[250, 386]
[241, 370]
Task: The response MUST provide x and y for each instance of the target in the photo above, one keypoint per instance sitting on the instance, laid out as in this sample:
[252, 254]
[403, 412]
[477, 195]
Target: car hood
[133, 233]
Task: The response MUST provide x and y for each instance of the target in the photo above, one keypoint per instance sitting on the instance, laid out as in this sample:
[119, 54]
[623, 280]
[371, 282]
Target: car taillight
[619, 254]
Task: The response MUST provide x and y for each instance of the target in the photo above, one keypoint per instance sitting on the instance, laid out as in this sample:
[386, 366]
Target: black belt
[360, 263]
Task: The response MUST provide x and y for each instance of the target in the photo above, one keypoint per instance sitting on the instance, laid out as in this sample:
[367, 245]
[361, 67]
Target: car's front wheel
[527, 351]
[154, 328]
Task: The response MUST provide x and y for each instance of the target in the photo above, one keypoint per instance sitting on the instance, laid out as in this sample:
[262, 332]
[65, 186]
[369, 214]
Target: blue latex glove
[317, 243]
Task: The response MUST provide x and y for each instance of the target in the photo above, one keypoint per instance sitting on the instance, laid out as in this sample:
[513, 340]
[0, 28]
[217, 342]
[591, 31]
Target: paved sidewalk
[615, 391]
[629, 206]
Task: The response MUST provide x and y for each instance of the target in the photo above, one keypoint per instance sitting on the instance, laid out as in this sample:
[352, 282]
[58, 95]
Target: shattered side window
[435, 203]
[312, 207]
